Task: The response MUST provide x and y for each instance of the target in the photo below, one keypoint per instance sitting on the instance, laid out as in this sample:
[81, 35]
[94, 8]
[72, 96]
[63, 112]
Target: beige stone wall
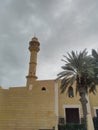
[4, 116]
[24, 109]
[65, 102]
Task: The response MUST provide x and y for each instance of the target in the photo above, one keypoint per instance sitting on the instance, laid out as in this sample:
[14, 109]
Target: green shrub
[71, 126]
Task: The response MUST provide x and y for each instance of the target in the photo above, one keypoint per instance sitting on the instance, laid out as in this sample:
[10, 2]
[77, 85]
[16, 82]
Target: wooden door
[72, 115]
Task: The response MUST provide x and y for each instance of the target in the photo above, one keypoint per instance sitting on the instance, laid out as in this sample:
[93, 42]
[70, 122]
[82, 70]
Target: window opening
[43, 89]
[70, 92]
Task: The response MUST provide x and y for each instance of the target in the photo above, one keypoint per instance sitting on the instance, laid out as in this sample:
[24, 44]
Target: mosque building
[40, 105]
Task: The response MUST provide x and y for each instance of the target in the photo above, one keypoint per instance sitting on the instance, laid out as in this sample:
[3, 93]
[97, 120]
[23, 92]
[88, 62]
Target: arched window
[43, 89]
[70, 92]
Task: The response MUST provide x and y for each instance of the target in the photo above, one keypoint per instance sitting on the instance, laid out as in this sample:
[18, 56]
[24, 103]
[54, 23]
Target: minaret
[34, 49]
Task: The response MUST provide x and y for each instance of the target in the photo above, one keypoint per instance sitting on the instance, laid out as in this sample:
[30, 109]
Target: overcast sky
[60, 25]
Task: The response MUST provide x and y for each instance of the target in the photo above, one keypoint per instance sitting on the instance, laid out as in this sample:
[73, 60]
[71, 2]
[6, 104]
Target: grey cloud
[61, 26]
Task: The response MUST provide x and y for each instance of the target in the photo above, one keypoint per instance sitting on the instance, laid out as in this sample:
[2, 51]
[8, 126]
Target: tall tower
[34, 47]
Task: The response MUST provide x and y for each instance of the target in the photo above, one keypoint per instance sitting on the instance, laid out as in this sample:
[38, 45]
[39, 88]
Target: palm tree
[79, 68]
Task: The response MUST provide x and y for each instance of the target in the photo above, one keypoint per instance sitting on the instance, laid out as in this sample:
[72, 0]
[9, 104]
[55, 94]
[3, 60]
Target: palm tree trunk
[83, 101]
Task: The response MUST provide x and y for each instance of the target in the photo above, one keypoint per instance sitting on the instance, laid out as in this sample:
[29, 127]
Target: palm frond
[95, 54]
[69, 68]
[79, 65]
[67, 82]
[93, 88]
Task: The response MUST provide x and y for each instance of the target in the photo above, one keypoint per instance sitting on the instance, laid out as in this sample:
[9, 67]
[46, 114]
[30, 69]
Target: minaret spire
[34, 47]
